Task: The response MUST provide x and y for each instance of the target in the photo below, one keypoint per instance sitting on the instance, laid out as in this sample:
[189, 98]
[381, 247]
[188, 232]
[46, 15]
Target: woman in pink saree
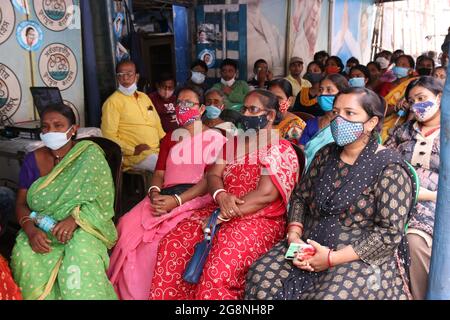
[179, 189]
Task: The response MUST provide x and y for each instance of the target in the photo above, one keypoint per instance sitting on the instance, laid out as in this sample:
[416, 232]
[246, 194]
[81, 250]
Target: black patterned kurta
[373, 226]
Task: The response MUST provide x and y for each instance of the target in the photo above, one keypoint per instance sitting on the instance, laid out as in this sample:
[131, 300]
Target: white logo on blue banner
[29, 35]
[208, 56]
[21, 6]
[58, 66]
[55, 15]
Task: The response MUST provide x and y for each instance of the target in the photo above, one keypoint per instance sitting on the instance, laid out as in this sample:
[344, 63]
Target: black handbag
[194, 268]
[177, 189]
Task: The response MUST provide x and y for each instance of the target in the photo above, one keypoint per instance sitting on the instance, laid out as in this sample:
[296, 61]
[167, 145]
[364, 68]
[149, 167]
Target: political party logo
[10, 93]
[74, 109]
[55, 15]
[29, 35]
[7, 21]
[21, 6]
[208, 56]
[58, 66]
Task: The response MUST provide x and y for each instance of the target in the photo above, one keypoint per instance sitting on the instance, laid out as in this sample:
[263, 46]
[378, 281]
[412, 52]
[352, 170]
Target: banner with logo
[40, 45]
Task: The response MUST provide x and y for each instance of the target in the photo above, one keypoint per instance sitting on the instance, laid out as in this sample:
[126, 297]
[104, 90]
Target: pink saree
[134, 257]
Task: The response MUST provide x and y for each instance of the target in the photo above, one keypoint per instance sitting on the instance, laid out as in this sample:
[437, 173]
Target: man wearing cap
[295, 76]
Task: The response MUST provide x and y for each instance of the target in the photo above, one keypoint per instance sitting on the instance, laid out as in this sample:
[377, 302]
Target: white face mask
[128, 91]
[198, 77]
[55, 140]
[228, 83]
[384, 63]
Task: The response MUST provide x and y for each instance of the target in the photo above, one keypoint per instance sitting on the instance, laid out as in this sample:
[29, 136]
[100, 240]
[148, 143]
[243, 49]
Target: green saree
[80, 185]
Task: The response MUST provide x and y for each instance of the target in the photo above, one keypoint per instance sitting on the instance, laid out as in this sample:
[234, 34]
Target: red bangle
[329, 259]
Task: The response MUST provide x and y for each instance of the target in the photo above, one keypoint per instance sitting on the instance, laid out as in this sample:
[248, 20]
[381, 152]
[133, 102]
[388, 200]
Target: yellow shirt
[130, 121]
[296, 87]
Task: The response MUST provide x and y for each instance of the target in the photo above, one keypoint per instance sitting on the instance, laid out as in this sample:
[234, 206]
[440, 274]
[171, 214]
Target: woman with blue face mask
[69, 183]
[394, 93]
[359, 76]
[351, 206]
[214, 101]
[419, 143]
[330, 86]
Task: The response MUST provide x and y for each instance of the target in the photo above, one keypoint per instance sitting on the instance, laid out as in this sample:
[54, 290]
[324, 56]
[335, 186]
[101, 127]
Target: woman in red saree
[8, 288]
[251, 182]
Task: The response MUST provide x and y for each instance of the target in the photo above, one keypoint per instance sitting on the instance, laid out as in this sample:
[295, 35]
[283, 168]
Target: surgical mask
[332, 69]
[357, 82]
[424, 111]
[213, 112]
[384, 63]
[128, 91]
[255, 123]
[198, 77]
[326, 102]
[228, 83]
[284, 105]
[186, 115]
[55, 140]
[345, 132]
[165, 94]
[424, 71]
[400, 72]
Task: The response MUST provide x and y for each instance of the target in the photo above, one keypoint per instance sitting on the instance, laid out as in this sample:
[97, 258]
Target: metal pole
[439, 277]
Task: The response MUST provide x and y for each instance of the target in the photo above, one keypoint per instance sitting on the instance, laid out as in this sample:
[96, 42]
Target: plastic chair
[144, 180]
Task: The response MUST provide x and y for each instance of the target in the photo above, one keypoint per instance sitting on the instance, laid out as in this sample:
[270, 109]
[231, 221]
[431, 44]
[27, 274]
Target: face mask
[198, 77]
[128, 91]
[55, 140]
[424, 71]
[284, 105]
[332, 70]
[255, 123]
[357, 82]
[213, 112]
[326, 102]
[186, 115]
[424, 111]
[345, 132]
[384, 63]
[400, 72]
[313, 77]
[166, 94]
[228, 83]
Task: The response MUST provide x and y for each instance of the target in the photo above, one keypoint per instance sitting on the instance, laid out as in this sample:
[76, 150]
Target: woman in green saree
[71, 183]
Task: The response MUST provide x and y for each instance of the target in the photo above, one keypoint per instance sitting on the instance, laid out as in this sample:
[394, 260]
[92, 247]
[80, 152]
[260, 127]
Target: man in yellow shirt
[295, 76]
[130, 119]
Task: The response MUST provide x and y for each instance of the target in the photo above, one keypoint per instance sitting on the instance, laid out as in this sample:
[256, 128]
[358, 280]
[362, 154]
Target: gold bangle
[24, 220]
[223, 219]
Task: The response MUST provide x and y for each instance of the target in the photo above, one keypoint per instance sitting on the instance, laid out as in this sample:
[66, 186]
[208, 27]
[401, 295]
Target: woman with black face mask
[251, 183]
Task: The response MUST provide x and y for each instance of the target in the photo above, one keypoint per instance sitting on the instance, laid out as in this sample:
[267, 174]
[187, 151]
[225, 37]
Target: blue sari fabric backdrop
[40, 45]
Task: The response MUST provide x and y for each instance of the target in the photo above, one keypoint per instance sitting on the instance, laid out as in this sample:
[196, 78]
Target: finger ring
[65, 232]
[231, 211]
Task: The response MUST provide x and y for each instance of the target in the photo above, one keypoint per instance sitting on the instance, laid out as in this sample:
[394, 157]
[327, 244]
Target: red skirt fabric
[8, 288]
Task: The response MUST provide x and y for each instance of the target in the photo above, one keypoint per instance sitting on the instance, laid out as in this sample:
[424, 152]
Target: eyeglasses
[187, 103]
[125, 74]
[251, 109]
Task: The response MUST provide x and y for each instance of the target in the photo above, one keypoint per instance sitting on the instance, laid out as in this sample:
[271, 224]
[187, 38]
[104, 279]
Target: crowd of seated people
[363, 202]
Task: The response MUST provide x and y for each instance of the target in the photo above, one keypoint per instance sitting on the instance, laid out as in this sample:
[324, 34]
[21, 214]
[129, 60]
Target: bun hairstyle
[269, 101]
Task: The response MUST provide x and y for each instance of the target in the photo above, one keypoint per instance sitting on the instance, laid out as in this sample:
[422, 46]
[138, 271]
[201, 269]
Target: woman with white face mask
[419, 143]
[70, 183]
[197, 81]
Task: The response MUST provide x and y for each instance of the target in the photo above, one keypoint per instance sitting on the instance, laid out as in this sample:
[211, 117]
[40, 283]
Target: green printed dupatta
[80, 185]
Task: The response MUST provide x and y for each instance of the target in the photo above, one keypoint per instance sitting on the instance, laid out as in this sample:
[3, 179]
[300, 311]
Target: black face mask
[424, 71]
[256, 123]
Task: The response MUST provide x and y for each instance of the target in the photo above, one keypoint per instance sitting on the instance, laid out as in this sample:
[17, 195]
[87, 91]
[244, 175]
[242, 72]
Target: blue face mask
[400, 72]
[326, 102]
[345, 132]
[357, 82]
[212, 112]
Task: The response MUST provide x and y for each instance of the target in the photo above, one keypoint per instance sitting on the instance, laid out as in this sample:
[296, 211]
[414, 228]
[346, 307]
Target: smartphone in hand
[303, 250]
